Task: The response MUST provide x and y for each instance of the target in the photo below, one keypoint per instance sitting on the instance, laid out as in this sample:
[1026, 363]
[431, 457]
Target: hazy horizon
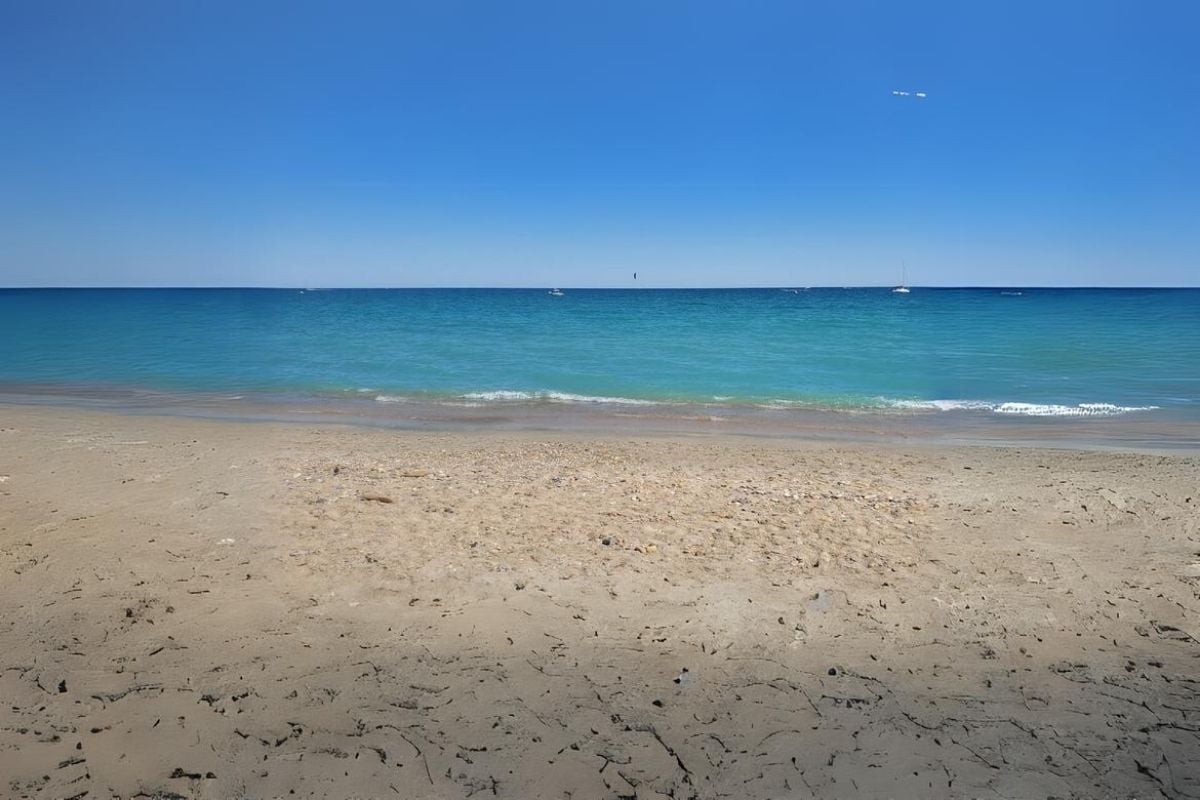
[569, 287]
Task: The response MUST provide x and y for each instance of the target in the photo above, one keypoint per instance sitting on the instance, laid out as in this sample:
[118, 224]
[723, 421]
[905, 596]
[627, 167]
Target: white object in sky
[898, 93]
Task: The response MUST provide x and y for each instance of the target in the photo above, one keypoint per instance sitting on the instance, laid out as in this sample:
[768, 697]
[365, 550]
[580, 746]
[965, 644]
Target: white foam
[504, 395]
[509, 396]
[780, 405]
[1013, 408]
[1021, 409]
[942, 405]
[1081, 410]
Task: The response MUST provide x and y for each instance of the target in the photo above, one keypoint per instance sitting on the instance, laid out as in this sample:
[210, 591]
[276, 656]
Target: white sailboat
[555, 292]
[903, 287]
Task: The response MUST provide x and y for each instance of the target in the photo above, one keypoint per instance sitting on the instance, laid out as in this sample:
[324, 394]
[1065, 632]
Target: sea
[499, 355]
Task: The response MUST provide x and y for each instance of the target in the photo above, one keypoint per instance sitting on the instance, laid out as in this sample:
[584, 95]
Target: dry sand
[224, 610]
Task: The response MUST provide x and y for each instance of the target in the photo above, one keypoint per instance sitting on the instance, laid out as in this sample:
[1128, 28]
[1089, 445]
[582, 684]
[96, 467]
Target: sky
[446, 143]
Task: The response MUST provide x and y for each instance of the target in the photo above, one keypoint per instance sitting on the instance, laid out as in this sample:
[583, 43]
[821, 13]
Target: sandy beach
[219, 609]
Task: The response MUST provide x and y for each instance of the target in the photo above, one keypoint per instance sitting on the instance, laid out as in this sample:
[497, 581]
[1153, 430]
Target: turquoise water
[1036, 352]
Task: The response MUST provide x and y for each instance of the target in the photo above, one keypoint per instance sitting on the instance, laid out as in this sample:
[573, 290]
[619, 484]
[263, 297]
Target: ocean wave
[1021, 409]
[501, 396]
[783, 405]
[1081, 410]
[880, 404]
[941, 405]
[509, 396]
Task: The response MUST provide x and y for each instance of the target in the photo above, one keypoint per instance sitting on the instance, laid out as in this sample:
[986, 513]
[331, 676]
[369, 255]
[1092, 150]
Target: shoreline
[1159, 431]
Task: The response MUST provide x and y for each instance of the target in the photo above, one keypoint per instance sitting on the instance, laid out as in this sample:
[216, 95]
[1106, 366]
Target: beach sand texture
[219, 609]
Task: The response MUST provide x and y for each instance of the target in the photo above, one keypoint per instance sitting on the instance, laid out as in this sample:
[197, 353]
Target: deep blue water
[1039, 352]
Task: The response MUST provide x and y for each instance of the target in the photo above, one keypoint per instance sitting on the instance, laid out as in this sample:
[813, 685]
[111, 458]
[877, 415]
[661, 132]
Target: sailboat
[903, 287]
[555, 292]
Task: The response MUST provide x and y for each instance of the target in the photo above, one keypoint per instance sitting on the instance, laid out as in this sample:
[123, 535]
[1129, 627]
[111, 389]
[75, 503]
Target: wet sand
[1158, 430]
[214, 609]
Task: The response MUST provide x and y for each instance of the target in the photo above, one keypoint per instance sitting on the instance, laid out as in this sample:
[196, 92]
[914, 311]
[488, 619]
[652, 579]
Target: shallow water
[1074, 353]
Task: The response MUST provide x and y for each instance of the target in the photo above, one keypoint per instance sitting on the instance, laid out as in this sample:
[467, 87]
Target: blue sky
[573, 143]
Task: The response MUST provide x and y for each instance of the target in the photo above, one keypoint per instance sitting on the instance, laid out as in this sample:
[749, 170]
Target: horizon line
[566, 287]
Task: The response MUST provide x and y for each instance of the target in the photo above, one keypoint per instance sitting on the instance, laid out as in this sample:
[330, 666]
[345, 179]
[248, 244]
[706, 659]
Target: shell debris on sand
[546, 656]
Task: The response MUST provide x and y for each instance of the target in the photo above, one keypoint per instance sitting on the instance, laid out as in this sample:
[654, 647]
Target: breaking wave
[1021, 409]
[860, 405]
[508, 396]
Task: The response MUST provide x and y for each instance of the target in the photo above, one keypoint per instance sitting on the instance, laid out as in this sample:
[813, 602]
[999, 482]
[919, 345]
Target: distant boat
[903, 287]
[555, 292]
[1011, 294]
